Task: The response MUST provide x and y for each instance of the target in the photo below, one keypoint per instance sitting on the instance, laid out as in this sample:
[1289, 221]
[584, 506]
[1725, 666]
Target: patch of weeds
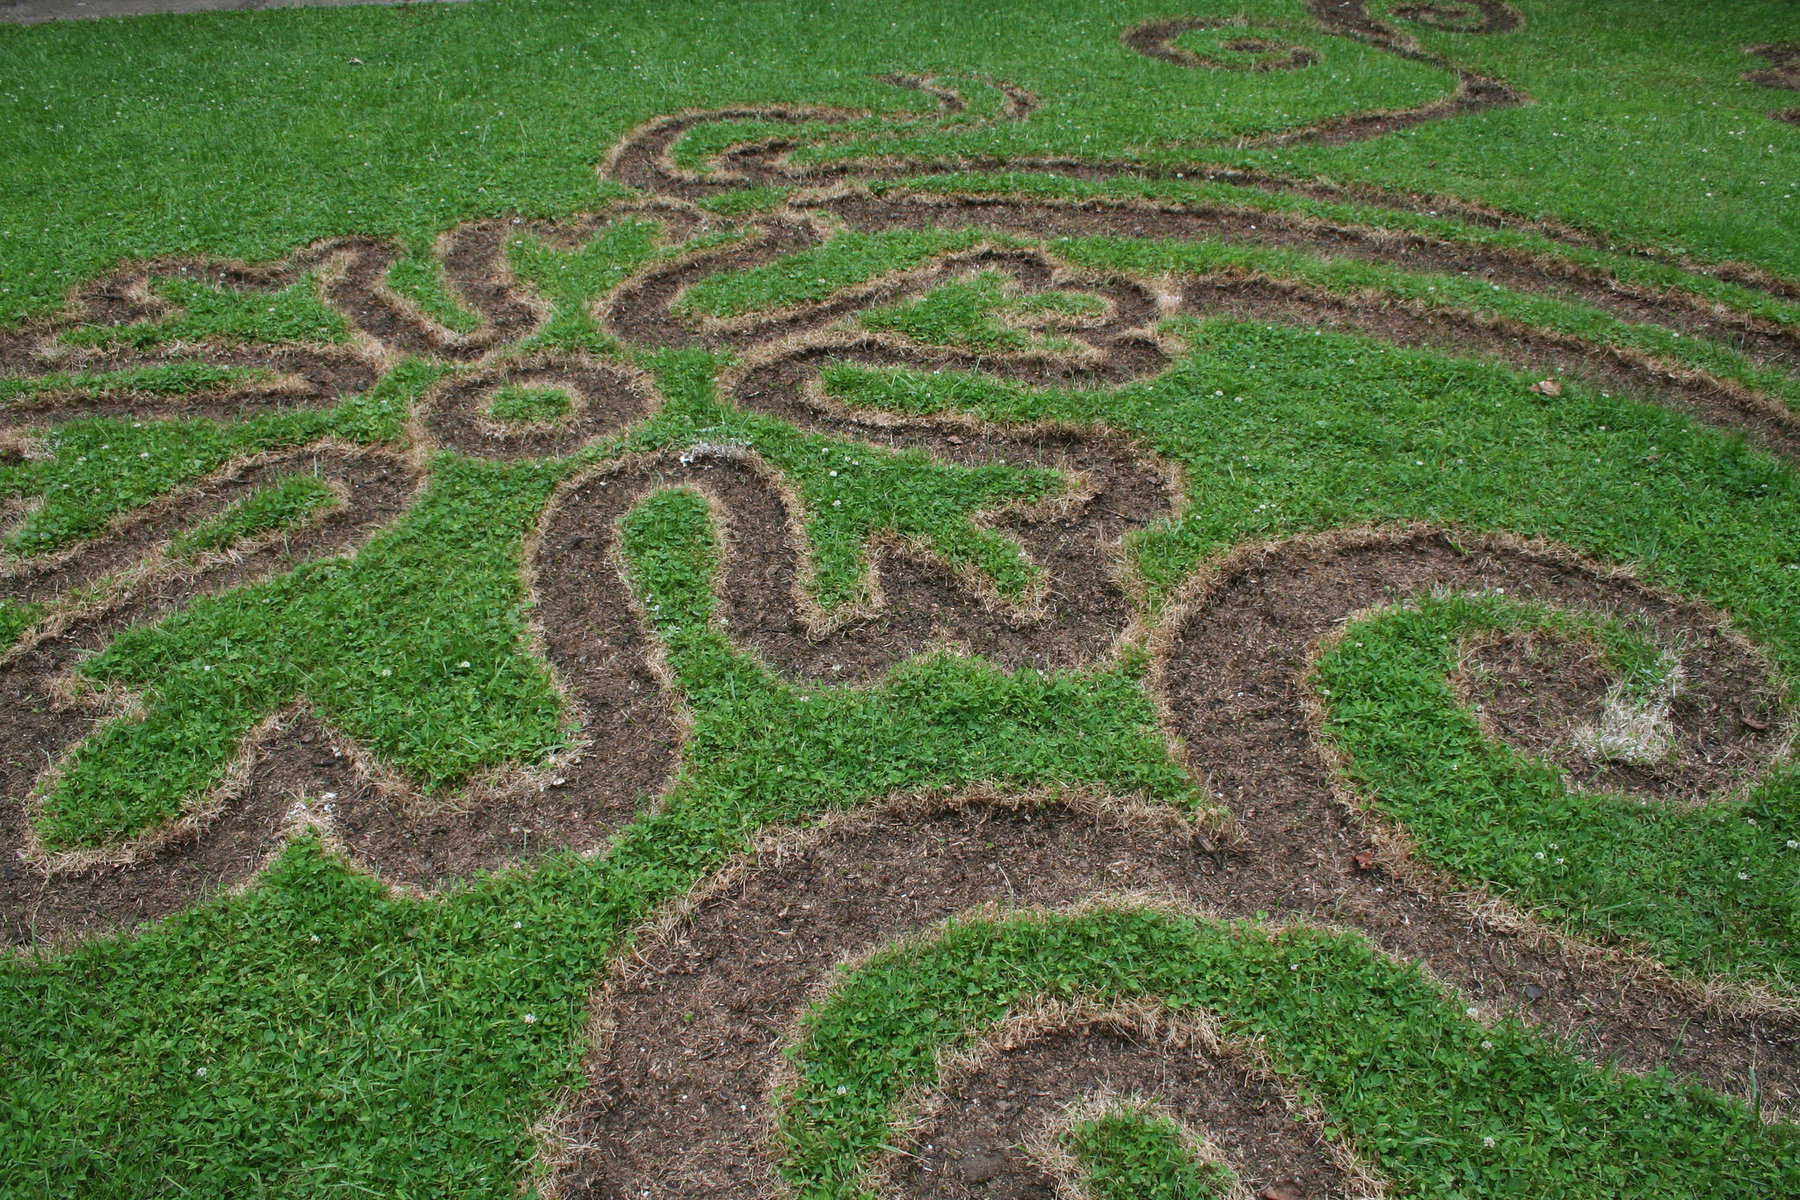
[854, 491]
[15, 618]
[936, 720]
[1637, 269]
[747, 201]
[169, 379]
[815, 273]
[1466, 293]
[1284, 431]
[413, 647]
[573, 279]
[978, 314]
[419, 276]
[104, 467]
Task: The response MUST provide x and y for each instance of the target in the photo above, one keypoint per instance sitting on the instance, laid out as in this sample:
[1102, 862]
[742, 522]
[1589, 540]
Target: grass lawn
[701, 599]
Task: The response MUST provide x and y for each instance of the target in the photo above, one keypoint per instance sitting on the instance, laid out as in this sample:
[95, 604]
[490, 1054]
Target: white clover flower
[531, 1018]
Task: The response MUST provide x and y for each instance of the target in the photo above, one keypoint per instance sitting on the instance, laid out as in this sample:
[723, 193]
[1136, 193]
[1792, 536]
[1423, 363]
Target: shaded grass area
[1445, 1105]
[426, 116]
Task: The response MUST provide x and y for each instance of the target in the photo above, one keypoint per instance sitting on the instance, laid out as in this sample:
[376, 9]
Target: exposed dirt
[1783, 70]
[1540, 693]
[605, 398]
[1157, 39]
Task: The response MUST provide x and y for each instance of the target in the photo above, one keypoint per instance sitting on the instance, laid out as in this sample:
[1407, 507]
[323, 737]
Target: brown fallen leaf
[1547, 387]
[1280, 1191]
[1755, 724]
[1365, 860]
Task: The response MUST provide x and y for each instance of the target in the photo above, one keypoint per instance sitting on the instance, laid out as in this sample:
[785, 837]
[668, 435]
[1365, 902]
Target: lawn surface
[679, 600]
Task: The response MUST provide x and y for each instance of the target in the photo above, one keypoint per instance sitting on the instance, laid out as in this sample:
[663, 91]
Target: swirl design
[1332, 859]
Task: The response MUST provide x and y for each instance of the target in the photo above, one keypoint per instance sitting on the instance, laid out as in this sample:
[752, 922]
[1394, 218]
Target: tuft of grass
[530, 406]
[1129, 1154]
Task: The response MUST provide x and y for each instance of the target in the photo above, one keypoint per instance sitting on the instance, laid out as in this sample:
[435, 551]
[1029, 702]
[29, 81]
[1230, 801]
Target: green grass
[440, 114]
[318, 1034]
[294, 314]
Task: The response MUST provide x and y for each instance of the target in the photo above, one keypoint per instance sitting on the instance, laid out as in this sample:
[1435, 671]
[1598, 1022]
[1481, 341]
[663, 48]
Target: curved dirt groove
[689, 1026]
[605, 398]
[1157, 39]
[996, 1124]
[46, 896]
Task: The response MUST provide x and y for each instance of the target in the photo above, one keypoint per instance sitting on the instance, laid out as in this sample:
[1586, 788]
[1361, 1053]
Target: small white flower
[1488, 1142]
[386, 671]
[1487, 1045]
[518, 924]
[463, 665]
[1793, 844]
[531, 1018]
[200, 1071]
[1743, 875]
